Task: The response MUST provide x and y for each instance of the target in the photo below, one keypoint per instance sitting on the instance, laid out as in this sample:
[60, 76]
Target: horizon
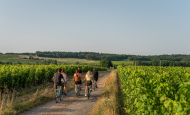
[93, 52]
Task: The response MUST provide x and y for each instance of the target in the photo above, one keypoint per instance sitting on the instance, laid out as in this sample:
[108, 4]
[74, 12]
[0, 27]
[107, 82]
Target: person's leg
[90, 85]
[80, 84]
[65, 87]
[86, 90]
[55, 86]
[96, 83]
[75, 88]
[62, 84]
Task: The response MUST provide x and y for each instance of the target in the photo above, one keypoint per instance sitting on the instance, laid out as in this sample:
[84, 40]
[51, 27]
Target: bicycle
[58, 94]
[78, 90]
[94, 84]
[88, 91]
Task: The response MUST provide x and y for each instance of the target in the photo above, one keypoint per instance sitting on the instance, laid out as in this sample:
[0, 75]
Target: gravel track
[71, 105]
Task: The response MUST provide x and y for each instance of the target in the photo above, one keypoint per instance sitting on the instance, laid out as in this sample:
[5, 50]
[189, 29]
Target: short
[96, 79]
[80, 82]
[77, 83]
[88, 82]
[55, 85]
[65, 83]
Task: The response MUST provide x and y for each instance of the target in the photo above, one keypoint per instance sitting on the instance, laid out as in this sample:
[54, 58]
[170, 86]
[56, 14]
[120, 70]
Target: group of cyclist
[60, 79]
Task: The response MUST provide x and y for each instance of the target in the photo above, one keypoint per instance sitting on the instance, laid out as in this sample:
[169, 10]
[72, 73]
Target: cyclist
[57, 80]
[65, 78]
[95, 76]
[77, 79]
[88, 79]
[81, 74]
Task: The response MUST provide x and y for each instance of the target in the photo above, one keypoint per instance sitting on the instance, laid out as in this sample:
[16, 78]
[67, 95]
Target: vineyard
[155, 90]
[14, 77]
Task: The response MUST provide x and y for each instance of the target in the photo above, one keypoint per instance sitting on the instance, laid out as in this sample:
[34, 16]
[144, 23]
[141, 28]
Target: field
[71, 61]
[125, 62]
[156, 90]
[15, 58]
[23, 59]
[22, 76]
[30, 84]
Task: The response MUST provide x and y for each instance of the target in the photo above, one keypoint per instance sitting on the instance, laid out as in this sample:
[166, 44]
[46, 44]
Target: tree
[106, 63]
[77, 63]
[19, 63]
[30, 57]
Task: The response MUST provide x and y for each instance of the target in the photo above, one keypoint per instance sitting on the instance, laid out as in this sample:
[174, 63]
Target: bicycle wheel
[61, 95]
[94, 86]
[88, 93]
[61, 98]
[56, 96]
[78, 91]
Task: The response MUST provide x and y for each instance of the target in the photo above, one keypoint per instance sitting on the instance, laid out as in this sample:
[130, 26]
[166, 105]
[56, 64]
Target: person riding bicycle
[95, 76]
[77, 79]
[65, 78]
[88, 79]
[81, 74]
[57, 80]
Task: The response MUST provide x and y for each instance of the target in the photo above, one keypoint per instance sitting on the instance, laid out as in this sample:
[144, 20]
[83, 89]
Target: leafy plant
[156, 90]
[22, 76]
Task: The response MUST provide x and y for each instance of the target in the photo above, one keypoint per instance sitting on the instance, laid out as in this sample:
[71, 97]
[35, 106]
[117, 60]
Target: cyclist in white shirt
[65, 79]
[88, 79]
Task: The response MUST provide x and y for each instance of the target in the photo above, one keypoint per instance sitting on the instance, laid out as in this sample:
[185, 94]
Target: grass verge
[17, 103]
[110, 101]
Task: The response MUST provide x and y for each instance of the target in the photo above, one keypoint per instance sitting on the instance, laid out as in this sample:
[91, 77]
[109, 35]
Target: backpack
[77, 77]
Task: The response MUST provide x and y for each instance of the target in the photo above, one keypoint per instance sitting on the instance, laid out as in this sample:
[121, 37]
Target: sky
[139, 27]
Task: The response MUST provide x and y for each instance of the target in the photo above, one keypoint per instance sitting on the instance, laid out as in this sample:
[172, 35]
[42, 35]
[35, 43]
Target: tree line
[112, 57]
[162, 63]
[43, 62]
[82, 55]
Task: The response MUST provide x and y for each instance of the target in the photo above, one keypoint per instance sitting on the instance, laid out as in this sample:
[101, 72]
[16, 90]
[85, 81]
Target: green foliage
[19, 63]
[163, 63]
[77, 63]
[49, 61]
[105, 63]
[22, 76]
[113, 57]
[31, 57]
[156, 90]
[98, 56]
[81, 55]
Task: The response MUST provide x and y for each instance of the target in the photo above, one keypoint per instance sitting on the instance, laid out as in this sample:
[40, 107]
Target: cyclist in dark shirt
[57, 80]
[81, 74]
[79, 70]
[95, 76]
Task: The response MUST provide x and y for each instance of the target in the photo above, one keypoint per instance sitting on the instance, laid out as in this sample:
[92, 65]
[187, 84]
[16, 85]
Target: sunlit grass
[26, 100]
[109, 101]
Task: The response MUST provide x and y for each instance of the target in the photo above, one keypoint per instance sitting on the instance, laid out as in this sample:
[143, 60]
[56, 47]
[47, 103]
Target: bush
[106, 63]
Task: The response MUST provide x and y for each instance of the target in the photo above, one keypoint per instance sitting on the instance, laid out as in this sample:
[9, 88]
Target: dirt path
[71, 105]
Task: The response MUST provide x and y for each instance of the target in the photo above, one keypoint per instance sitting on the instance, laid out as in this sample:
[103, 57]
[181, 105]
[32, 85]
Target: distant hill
[112, 57]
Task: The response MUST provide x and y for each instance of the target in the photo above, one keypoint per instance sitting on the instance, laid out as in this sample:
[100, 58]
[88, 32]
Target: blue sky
[140, 27]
